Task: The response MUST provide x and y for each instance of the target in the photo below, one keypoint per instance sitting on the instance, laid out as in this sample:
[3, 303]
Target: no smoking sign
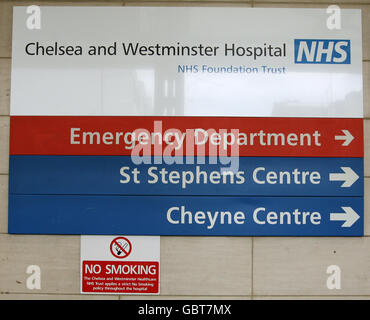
[120, 247]
[120, 264]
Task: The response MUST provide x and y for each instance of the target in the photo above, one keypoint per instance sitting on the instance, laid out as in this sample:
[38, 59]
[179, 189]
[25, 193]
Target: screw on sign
[120, 247]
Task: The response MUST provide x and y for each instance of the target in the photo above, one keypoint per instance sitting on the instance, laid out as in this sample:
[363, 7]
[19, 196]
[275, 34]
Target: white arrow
[349, 217]
[347, 138]
[349, 177]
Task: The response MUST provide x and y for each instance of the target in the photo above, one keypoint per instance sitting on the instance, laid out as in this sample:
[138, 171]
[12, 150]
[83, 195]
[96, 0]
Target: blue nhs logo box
[322, 51]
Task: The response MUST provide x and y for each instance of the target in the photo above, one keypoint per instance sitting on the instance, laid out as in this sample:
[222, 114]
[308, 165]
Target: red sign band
[209, 136]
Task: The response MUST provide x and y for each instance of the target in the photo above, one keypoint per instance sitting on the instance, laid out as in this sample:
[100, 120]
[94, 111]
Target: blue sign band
[178, 215]
[118, 175]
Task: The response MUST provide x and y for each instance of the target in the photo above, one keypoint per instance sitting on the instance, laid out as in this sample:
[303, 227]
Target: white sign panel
[120, 265]
[187, 62]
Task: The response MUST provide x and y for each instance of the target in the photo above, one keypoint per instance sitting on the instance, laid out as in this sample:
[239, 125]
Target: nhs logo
[322, 51]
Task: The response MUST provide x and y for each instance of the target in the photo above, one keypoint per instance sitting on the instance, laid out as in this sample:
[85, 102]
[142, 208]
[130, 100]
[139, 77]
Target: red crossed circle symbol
[120, 247]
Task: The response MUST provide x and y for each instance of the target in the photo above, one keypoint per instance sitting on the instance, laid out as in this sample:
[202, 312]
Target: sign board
[241, 62]
[174, 121]
[120, 265]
